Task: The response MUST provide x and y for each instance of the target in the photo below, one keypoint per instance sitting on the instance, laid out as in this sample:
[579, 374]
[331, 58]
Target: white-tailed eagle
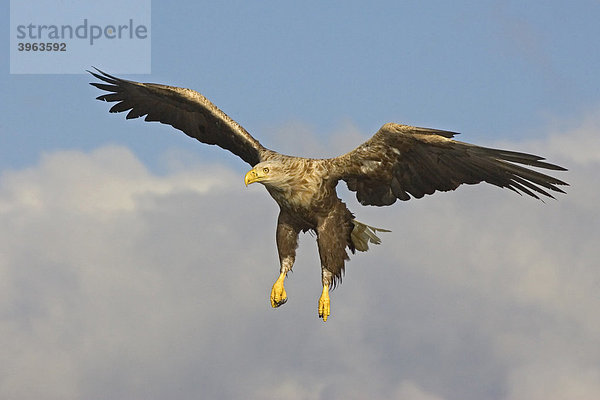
[398, 162]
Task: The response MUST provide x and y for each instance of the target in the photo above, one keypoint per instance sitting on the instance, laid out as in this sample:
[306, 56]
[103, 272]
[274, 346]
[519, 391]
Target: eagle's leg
[333, 235]
[287, 242]
[324, 310]
[278, 295]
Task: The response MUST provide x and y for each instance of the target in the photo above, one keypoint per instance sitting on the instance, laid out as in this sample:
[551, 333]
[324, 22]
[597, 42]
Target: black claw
[280, 303]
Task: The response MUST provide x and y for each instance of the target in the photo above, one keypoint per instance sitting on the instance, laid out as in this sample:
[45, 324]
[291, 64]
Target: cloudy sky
[135, 264]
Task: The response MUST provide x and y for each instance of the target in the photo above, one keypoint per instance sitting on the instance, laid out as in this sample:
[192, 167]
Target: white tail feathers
[362, 234]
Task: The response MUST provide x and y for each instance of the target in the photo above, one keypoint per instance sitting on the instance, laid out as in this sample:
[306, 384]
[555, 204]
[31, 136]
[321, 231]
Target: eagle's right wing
[184, 109]
[401, 161]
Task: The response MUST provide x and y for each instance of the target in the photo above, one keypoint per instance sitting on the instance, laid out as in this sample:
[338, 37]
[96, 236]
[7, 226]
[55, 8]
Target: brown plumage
[398, 162]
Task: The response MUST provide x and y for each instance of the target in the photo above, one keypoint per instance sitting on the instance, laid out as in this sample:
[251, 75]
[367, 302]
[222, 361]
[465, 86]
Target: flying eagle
[398, 162]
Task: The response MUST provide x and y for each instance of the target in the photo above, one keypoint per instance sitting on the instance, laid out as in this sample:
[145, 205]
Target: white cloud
[117, 283]
[109, 179]
[409, 391]
[556, 381]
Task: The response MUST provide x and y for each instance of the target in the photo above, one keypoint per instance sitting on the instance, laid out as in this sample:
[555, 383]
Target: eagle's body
[398, 162]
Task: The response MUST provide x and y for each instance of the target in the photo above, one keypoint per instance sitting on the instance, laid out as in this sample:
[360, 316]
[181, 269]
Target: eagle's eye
[266, 170]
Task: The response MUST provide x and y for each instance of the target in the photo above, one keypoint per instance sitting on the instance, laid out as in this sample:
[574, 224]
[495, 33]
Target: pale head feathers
[292, 181]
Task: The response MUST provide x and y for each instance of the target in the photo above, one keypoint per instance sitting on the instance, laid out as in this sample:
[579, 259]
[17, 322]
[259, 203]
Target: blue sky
[135, 264]
[487, 69]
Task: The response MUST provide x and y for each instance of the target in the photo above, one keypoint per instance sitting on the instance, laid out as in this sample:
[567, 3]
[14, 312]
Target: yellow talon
[324, 303]
[278, 295]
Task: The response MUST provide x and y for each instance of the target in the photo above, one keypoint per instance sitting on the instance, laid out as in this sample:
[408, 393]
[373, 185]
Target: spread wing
[184, 109]
[401, 161]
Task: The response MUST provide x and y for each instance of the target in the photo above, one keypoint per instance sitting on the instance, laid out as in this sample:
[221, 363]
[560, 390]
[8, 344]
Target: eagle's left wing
[401, 161]
[184, 109]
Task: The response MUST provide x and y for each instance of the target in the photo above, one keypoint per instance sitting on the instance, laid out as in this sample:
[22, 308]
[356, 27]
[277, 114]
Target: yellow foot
[324, 304]
[278, 296]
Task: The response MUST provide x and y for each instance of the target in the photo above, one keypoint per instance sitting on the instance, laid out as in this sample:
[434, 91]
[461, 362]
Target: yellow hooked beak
[251, 177]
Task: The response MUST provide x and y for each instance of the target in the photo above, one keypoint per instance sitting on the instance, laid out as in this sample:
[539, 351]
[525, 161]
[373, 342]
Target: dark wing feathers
[184, 109]
[398, 162]
[401, 161]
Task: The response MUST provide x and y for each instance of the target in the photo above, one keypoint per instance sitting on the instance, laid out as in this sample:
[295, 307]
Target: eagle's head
[271, 173]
